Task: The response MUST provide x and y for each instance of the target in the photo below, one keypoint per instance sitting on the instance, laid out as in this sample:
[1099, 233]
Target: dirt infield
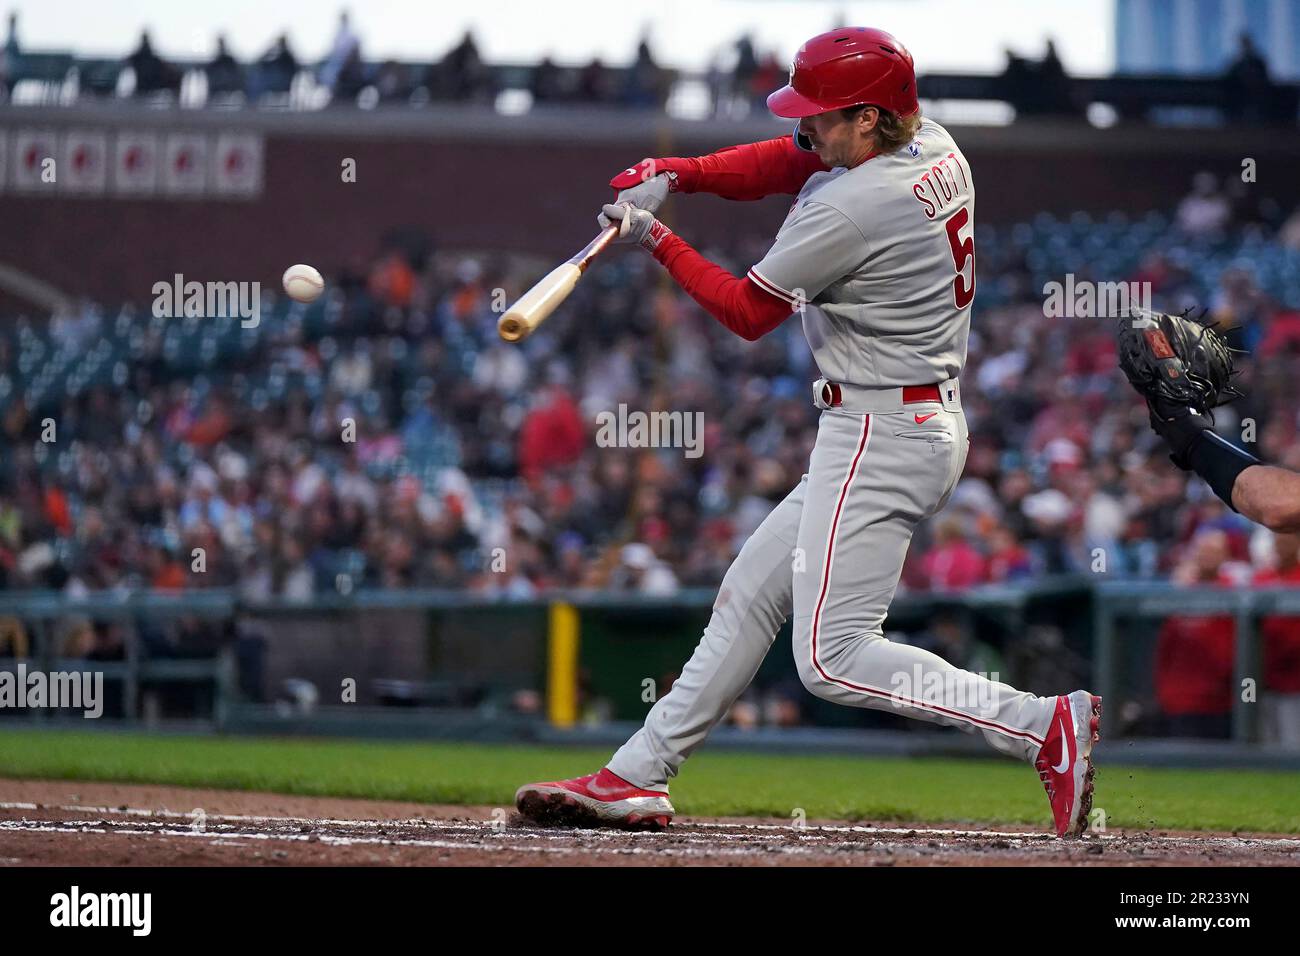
[63, 823]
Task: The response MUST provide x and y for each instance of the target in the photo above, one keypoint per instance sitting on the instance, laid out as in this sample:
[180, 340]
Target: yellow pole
[562, 665]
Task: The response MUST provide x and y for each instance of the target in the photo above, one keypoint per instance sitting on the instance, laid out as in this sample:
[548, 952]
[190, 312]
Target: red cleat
[1063, 762]
[596, 800]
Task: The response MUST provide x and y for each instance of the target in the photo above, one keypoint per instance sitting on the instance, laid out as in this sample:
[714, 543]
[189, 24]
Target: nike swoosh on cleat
[1065, 751]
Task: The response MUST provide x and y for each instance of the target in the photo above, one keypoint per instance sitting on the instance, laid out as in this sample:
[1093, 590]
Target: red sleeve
[739, 304]
[750, 171]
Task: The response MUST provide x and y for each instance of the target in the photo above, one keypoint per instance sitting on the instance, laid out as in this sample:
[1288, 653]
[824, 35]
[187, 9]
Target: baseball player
[877, 256]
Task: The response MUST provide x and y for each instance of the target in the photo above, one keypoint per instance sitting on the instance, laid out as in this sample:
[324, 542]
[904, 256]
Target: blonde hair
[891, 131]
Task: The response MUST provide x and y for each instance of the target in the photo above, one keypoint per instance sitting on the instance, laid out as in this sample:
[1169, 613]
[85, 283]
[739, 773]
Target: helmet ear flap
[802, 141]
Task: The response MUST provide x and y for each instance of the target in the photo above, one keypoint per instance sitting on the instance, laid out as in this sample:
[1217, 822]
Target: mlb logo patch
[914, 147]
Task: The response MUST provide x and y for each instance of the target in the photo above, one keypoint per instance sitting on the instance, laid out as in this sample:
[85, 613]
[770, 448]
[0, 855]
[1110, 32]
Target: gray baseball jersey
[883, 256]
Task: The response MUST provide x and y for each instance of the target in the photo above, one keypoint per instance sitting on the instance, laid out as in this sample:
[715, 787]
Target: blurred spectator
[1195, 654]
[345, 46]
[1008, 559]
[553, 433]
[392, 83]
[274, 72]
[298, 581]
[1041, 657]
[641, 571]
[461, 75]
[1249, 91]
[1056, 95]
[1249, 69]
[152, 73]
[1280, 700]
[746, 69]
[1205, 210]
[1239, 302]
[952, 564]
[343, 72]
[546, 84]
[1045, 89]
[596, 83]
[1017, 81]
[392, 280]
[224, 74]
[951, 638]
[14, 642]
[1038, 89]
[10, 57]
[769, 75]
[647, 83]
[1289, 234]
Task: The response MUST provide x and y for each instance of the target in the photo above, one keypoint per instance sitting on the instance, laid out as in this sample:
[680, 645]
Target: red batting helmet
[846, 67]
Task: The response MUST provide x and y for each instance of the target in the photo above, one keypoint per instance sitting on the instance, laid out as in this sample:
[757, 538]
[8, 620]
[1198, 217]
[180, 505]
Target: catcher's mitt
[1175, 359]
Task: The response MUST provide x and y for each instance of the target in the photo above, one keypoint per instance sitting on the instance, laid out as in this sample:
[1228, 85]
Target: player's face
[839, 141]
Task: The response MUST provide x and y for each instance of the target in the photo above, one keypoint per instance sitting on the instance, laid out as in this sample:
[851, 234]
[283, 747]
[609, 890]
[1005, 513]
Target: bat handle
[595, 247]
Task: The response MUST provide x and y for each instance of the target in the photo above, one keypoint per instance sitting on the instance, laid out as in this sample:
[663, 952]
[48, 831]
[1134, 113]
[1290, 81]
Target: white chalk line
[745, 832]
[331, 839]
[811, 831]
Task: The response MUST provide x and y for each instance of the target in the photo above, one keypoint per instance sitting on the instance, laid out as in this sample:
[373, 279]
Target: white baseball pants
[832, 552]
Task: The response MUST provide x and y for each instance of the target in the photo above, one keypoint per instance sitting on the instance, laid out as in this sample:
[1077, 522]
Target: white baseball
[303, 283]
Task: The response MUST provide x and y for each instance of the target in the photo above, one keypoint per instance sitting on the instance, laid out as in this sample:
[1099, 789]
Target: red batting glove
[645, 171]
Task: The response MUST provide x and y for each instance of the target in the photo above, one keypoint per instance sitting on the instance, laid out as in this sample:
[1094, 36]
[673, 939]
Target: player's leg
[869, 485]
[872, 479]
[752, 604]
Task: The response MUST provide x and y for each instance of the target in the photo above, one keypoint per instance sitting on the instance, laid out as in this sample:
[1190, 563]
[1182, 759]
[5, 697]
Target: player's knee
[807, 674]
[815, 682]
[835, 653]
[811, 673]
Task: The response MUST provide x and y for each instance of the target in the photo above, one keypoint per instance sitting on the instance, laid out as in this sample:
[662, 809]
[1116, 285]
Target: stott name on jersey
[944, 186]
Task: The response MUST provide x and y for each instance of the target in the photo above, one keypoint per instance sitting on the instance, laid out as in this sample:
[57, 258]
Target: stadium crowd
[473, 464]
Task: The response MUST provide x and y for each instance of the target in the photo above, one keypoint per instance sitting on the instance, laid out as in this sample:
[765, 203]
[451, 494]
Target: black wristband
[1219, 462]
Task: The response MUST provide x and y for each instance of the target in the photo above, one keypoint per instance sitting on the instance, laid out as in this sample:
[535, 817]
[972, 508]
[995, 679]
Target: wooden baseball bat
[543, 298]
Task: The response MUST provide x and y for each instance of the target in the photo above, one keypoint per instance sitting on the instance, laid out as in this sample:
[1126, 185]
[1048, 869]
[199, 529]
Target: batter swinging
[877, 255]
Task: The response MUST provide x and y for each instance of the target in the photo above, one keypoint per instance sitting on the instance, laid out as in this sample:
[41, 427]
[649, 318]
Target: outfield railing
[1112, 622]
[1144, 602]
[42, 612]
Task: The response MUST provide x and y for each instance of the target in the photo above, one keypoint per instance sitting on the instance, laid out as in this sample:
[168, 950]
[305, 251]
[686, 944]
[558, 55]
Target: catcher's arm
[1270, 496]
[1194, 446]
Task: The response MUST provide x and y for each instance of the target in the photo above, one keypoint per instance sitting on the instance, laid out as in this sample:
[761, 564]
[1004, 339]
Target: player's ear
[802, 141]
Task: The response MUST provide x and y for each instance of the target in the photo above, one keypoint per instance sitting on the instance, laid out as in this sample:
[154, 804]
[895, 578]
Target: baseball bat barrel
[536, 305]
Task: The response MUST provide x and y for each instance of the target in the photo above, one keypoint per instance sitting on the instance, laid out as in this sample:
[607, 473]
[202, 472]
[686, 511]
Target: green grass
[712, 784]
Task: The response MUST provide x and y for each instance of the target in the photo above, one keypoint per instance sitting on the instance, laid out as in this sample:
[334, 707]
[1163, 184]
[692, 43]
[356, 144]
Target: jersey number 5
[962, 250]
